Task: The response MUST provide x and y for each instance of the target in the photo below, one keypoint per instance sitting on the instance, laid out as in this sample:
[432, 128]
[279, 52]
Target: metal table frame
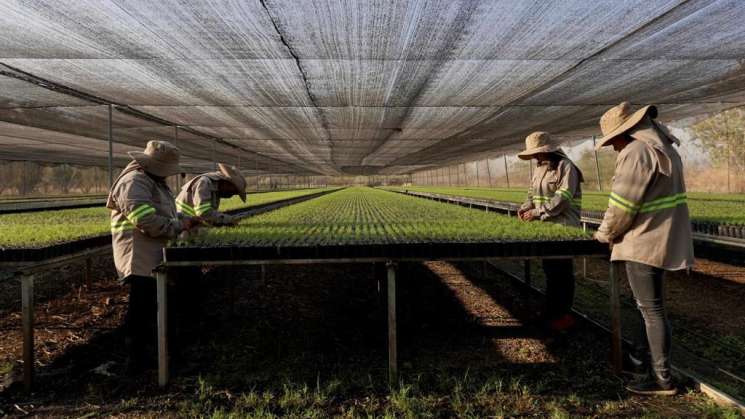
[162, 276]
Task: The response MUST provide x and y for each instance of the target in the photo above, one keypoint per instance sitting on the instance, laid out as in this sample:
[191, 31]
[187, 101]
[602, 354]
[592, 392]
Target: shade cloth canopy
[350, 86]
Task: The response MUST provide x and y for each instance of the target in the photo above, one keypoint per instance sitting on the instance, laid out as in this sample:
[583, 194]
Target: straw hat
[160, 158]
[537, 142]
[619, 119]
[235, 177]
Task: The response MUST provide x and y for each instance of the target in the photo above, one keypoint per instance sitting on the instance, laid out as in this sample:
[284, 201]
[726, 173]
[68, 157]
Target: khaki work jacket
[143, 219]
[647, 218]
[200, 198]
[555, 193]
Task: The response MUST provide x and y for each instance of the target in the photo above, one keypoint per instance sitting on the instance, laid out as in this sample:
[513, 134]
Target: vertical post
[161, 278]
[488, 172]
[27, 314]
[465, 175]
[615, 315]
[478, 179]
[178, 176]
[526, 272]
[584, 259]
[111, 147]
[392, 341]
[597, 165]
[506, 171]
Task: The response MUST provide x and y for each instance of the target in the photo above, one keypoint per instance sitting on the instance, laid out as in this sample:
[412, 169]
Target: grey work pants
[654, 333]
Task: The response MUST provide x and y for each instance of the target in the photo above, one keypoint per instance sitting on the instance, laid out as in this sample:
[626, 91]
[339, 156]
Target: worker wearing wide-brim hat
[648, 227]
[200, 197]
[555, 195]
[143, 219]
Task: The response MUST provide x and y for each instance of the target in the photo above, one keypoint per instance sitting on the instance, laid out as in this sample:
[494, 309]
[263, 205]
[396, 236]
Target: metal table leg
[162, 291]
[392, 341]
[27, 314]
[615, 315]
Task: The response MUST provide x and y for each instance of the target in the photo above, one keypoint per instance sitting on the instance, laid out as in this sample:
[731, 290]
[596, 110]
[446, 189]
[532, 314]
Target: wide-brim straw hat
[160, 158]
[537, 142]
[619, 119]
[235, 177]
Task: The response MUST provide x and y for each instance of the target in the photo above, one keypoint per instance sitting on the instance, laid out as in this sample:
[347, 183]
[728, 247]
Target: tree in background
[607, 163]
[64, 177]
[722, 137]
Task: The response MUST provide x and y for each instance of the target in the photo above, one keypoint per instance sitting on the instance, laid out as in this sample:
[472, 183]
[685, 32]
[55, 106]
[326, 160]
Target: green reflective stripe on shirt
[622, 203]
[185, 208]
[667, 202]
[565, 193]
[121, 226]
[203, 208]
[139, 212]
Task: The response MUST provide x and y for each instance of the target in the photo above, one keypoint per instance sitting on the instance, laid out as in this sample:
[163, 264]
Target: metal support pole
[465, 175]
[27, 314]
[161, 278]
[478, 179]
[488, 172]
[615, 315]
[111, 147]
[597, 165]
[584, 260]
[506, 171]
[392, 340]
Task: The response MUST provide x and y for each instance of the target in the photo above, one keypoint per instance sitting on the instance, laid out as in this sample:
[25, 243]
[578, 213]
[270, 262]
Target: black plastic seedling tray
[390, 251]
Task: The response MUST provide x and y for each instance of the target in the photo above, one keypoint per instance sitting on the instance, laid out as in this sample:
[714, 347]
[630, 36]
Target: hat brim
[635, 118]
[153, 166]
[528, 154]
[240, 184]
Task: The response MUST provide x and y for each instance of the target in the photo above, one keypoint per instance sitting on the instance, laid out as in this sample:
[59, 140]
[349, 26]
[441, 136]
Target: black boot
[655, 384]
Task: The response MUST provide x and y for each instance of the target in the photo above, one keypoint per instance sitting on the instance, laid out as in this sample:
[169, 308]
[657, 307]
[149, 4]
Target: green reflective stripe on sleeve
[139, 212]
[618, 204]
[185, 208]
[664, 203]
[121, 226]
[203, 208]
[565, 193]
[629, 204]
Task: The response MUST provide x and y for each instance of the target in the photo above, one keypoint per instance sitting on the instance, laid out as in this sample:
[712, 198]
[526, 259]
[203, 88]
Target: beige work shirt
[143, 219]
[555, 193]
[647, 217]
[200, 198]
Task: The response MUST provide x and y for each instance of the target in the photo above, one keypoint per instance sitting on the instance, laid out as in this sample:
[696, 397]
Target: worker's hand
[529, 215]
[189, 223]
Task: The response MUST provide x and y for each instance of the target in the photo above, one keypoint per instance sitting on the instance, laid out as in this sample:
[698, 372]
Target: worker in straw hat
[143, 219]
[555, 196]
[200, 197]
[647, 225]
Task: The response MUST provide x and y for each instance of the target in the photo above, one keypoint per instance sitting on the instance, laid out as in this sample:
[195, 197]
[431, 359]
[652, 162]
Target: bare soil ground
[311, 342]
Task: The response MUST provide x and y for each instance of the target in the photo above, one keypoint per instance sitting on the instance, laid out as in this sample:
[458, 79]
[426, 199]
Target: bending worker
[143, 219]
[648, 228]
[555, 196]
[200, 197]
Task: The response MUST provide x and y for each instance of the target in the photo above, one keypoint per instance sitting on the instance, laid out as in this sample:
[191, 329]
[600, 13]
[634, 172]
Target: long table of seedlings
[29, 237]
[370, 225]
[717, 220]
